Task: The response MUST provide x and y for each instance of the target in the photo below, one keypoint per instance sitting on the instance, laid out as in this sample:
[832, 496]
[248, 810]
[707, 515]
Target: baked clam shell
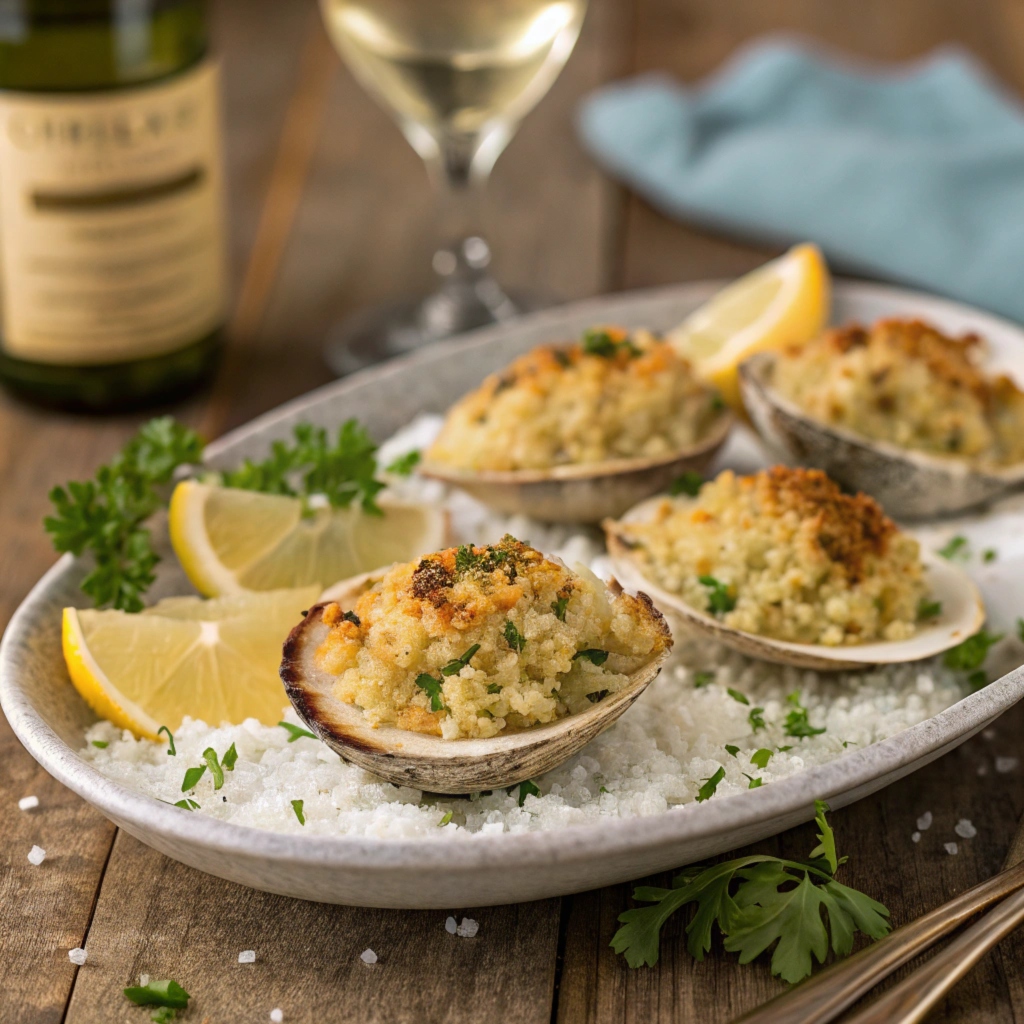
[962, 615]
[908, 484]
[582, 493]
[430, 762]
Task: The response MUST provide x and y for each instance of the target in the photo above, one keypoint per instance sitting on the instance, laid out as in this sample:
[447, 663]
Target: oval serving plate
[49, 717]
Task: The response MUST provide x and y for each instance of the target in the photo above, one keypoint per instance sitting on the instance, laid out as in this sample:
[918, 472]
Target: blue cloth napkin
[915, 174]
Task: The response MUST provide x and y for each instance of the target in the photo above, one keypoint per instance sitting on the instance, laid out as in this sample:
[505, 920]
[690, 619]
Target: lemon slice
[230, 540]
[215, 660]
[782, 303]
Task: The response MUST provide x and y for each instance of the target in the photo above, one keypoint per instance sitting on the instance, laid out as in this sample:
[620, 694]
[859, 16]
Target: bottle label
[111, 223]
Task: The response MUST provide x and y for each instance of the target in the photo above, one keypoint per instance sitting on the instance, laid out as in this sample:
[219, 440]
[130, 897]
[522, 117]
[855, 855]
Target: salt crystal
[28, 803]
[36, 855]
[1006, 764]
[368, 956]
[951, 848]
[450, 925]
[468, 928]
[277, 1015]
[143, 980]
[78, 956]
[925, 821]
[247, 956]
[915, 837]
[964, 829]
[925, 684]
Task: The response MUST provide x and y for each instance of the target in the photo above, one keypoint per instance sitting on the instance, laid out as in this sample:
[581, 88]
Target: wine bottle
[112, 275]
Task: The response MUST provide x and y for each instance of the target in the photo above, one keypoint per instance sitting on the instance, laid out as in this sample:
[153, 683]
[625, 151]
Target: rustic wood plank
[156, 916]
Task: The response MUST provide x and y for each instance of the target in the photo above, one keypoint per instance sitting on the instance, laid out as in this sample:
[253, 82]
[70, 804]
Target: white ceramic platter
[48, 716]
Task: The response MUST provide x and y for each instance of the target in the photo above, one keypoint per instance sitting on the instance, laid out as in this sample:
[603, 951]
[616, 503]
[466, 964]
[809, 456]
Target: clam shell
[963, 614]
[430, 762]
[582, 493]
[908, 484]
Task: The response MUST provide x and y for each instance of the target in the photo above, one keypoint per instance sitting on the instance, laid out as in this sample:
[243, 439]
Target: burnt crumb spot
[351, 617]
[504, 383]
[430, 579]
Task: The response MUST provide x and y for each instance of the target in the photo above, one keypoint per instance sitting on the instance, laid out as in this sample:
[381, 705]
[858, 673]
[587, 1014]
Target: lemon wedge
[215, 660]
[782, 303]
[229, 540]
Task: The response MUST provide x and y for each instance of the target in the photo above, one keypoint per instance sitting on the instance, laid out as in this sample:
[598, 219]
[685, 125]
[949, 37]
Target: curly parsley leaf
[757, 902]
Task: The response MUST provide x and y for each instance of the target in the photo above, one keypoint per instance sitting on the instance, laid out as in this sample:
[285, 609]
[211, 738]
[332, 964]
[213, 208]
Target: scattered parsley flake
[797, 723]
[465, 558]
[158, 993]
[405, 464]
[702, 679]
[163, 1015]
[1020, 629]
[192, 777]
[494, 687]
[527, 788]
[929, 609]
[297, 806]
[296, 733]
[603, 790]
[456, 665]
[171, 752]
[592, 654]
[597, 696]
[707, 791]
[782, 750]
[601, 343]
[761, 758]
[559, 606]
[187, 804]
[754, 781]
[229, 758]
[730, 749]
[213, 763]
[513, 637]
[101, 744]
[955, 548]
[432, 688]
[720, 600]
[989, 555]
[689, 483]
[757, 901]
[445, 820]
[737, 696]
[756, 719]
[971, 653]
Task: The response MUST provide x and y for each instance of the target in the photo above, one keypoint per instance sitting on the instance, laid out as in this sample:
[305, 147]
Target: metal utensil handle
[913, 998]
[822, 998]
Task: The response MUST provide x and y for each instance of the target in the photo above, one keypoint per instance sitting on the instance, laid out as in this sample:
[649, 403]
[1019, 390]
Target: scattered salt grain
[1006, 764]
[964, 829]
[78, 956]
[925, 821]
[28, 803]
[368, 956]
[952, 849]
[36, 855]
[468, 928]
[451, 925]
[143, 980]
[915, 837]
[925, 684]
[276, 1015]
[247, 956]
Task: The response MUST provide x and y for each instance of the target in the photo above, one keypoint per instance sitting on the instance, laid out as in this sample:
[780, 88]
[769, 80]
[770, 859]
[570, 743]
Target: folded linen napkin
[915, 174]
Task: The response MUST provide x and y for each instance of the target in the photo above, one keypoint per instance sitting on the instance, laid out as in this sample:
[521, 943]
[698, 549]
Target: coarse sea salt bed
[654, 759]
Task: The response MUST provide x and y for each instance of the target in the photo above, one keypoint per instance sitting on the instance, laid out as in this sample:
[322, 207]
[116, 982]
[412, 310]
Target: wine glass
[459, 76]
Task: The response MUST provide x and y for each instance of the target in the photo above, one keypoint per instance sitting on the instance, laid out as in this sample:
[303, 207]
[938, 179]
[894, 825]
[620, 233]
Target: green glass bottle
[112, 266]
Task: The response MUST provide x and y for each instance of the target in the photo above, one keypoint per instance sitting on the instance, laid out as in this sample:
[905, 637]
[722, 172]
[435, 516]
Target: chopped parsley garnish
[929, 609]
[405, 464]
[296, 733]
[601, 343]
[432, 688]
[756, 719]
[494, 687]
[755, 901]
[101, 744]
[445, 820]
[737, 696]
[717, 402]
[719, 599]
[213, 763]
[456, 665]
[782, 750]
[592, 654]
[1020, 629]
[158, 993]
[703, 679]
[192, 777]
[187, 804]
[972, 652]
[761, 758]
[559, 605]
[797, 723]
[513, 637]
[163, 1015]
[297, 806]
[597, 696]
[989, 555]
[229, 758]
[689, 483]
[955, 548]
[754, 782]
[707, 791]
[171, 752]
[527, 788]
[730, 749]
[106, 516]
[465, 559]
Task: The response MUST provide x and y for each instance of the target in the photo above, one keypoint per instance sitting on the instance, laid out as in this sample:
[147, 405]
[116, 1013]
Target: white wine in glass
[458, 75]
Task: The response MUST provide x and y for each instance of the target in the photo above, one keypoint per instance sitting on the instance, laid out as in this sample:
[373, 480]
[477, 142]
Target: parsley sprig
[758, 901]
[105, 516]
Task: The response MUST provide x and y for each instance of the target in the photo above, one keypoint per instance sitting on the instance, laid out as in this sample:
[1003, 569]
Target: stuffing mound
[904, 382]
[475, 640]
[784, 554]
[614, 396]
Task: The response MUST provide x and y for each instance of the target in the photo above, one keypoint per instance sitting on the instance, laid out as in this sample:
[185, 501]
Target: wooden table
[331, 211]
